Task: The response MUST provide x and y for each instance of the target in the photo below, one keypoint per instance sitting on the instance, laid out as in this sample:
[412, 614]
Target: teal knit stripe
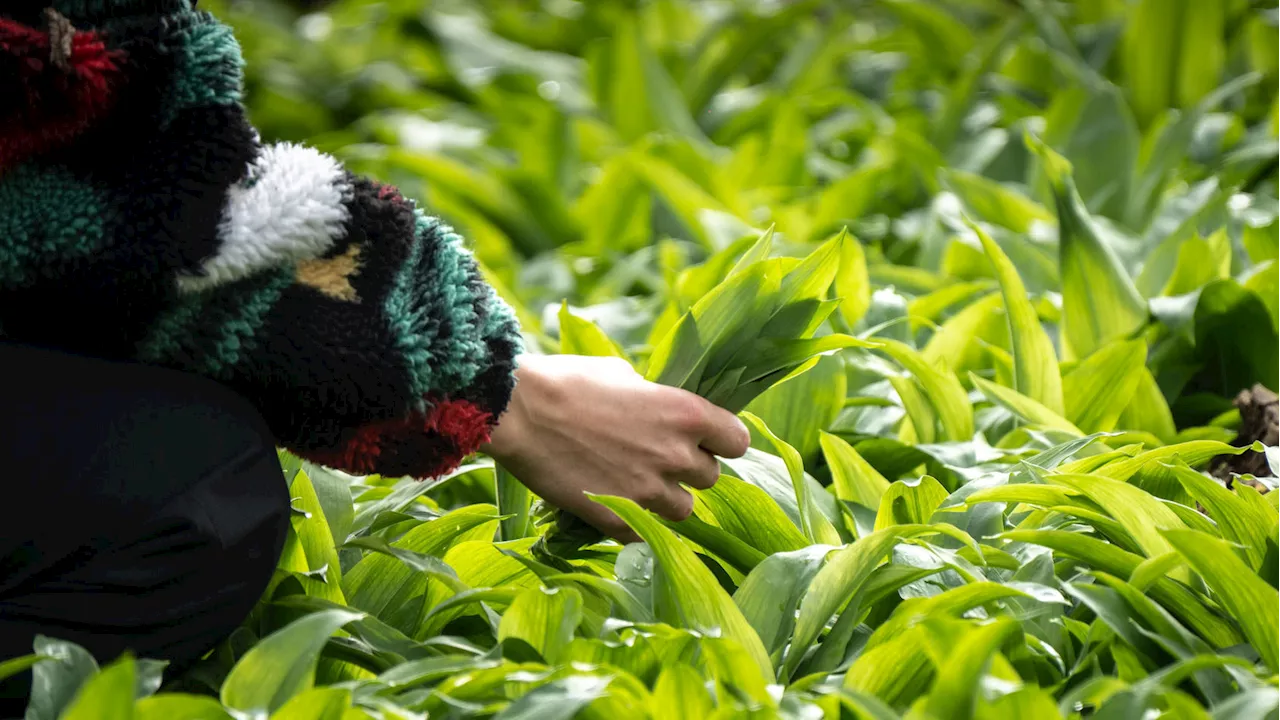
[501, 320]
[47, 217]
[210, 68]
[420, 302]
[173, 332]
[407, 320]
[210, 332]
[449, 291]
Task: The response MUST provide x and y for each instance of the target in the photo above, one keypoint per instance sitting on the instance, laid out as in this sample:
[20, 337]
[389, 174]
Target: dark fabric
[145, 509]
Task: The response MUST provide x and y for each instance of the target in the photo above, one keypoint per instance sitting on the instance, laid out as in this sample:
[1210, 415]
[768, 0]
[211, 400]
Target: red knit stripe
[462, 422]
[88, 88]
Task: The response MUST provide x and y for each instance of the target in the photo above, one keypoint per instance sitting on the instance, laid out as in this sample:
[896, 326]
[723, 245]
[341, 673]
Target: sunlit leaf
[1035, 364]
[1099, 301]
[686, 594]
[283, 664]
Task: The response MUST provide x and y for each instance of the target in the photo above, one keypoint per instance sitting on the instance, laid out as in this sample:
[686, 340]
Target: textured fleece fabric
[141, 218]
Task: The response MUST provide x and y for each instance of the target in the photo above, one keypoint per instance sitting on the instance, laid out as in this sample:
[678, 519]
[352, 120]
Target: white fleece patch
[290, 208]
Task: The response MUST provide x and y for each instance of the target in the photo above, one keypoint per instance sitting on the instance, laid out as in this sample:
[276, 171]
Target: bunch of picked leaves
[756, 328]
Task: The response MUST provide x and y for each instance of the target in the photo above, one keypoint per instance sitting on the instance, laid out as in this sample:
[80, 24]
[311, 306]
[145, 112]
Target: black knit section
[335, 360]
[174, 193]
[410, 457]
[492, 388]
[170, 200]
[382, 226]
[90, 13]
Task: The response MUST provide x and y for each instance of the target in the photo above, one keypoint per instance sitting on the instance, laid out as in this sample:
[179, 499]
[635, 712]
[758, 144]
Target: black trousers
[141, 509]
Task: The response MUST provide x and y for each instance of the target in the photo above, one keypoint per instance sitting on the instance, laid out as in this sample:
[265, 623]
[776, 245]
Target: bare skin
[583, 424]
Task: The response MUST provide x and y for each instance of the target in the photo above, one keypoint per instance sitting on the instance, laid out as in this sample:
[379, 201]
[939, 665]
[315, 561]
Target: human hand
[580, 424]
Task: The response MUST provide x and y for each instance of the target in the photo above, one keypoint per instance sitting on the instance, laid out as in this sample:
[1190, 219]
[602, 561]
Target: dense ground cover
[986, 276]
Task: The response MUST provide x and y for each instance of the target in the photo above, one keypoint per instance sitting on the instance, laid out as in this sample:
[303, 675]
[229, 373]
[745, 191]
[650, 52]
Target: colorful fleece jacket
[141, 218]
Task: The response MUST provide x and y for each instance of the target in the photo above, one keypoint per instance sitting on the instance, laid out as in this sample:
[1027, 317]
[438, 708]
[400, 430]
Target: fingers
[723, 434]
[701, 471]
[717, 430]
[675, 504]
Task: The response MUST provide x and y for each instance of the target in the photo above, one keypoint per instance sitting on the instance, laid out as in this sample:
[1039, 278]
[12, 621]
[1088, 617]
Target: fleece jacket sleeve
[141, 218]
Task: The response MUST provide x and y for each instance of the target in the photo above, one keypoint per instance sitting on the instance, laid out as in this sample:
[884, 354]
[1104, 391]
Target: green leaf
[687, 199]
[318, 556]
[1141, 515]
[813, 524]
[1200, 262]
[379, 584]
[1166, 154]
[513, 504]
[852, 477]
[109, 695]
[55, 681]
[1099, 301]
[951, 342]
[955, 692]
[1239, 521]
[680, 694]
[996, 204]
[179, 706]
[852, 284]
[1102, 385]
[895, 672]
[1029, 493]
[427, 669]
[635, 89]
[954, 603]
[718, 324]
[747, 512]
[1025, 703]
[405, 493]
[544, 618]
[557, 700]
[1192, 452]
[1150, 54]
[1111, 559]
[839, 580]
[1035, 366]
[686, 594]
[943, 390]
[1023, 406]
[1236, 339]
[1256, 704]
[13, 666]
[910, 502]
[770, 594]
[1148, 410]
[811, 279]
[799, 409]
[726, 546]
[316, 704]
[771, 474]
[283, 664]
[769, 355]
[333, 491]
[866, 707]
[579, 336]
[1253, 603]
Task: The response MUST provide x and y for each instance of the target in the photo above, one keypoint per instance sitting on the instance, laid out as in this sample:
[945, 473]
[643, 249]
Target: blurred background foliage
[592, 151]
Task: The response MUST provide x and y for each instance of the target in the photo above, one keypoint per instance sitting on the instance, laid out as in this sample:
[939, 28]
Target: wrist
[511, 428]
